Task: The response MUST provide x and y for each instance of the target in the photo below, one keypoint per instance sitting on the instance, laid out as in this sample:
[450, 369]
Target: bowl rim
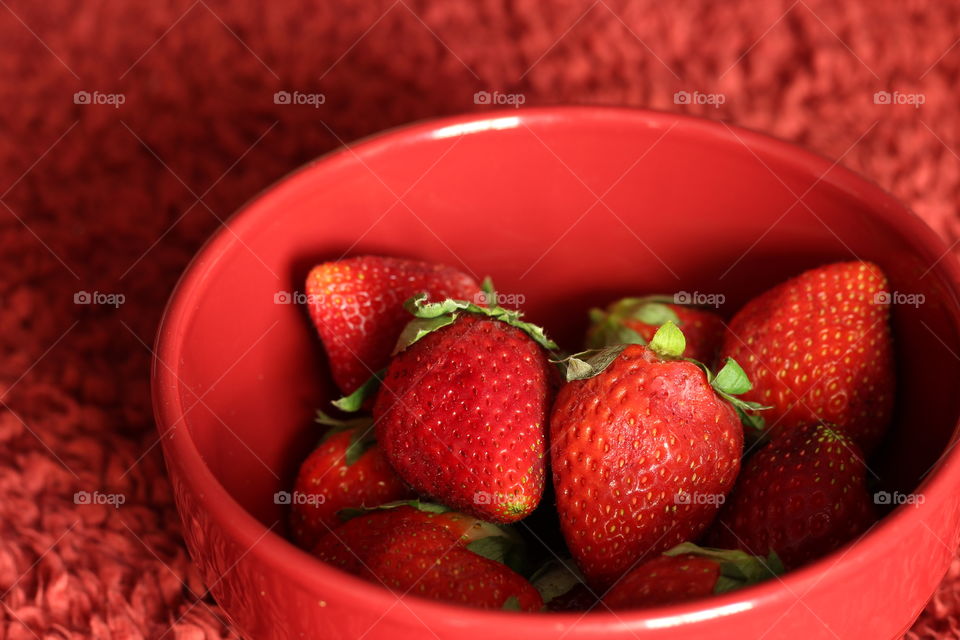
[286, 559]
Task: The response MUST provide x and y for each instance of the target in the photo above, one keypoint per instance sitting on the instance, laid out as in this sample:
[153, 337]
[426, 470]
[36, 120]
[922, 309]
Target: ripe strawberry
[445, 556]
[347, 469]
[642, 452]
[802, 496]
[636, 320]
[818, 349]
[357, 307]
[688, 572]
[463, 409]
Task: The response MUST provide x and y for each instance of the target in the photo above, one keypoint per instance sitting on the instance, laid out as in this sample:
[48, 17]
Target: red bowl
[570, 208]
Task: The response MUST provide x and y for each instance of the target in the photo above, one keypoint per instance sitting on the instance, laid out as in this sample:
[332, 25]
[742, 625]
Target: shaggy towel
[130, 130]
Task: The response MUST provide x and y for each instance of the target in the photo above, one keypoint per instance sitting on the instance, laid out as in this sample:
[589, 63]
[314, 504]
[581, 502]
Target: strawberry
[688, 572]
[420, 549]
[462, 411]
[818, 349]
[357, 307]
[636, 320]
[644, 447]
[802, 495]
[347, 469]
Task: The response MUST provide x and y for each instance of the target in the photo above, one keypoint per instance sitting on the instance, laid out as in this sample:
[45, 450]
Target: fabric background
[116, 200]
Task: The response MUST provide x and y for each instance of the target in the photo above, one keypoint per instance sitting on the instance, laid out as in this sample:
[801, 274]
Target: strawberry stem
[431, 316]
[354, 402]
[668, 341]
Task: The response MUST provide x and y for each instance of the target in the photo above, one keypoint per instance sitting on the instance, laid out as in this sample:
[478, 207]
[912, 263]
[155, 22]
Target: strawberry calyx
[350, 513]
[431, 316]
[509, 550]
[730, 382]
[499, 543]
[361, 439]
[610, 325]
[353, 402]
[556, 578]
[737, 568]
[589, 363]
[669, 343]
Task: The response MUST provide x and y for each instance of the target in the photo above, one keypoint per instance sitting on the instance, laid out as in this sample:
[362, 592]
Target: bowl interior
[566, 211]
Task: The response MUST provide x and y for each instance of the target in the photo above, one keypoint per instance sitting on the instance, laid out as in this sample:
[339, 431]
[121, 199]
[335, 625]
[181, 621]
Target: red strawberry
[357, 308]
[688, 572]
[347, 469]
[818, 349]
[642, 453]
[802, 495]
[635, 320]
[462, 412]
[444, 556]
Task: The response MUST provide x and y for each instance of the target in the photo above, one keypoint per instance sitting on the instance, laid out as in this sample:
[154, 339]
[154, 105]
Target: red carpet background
[115, 198]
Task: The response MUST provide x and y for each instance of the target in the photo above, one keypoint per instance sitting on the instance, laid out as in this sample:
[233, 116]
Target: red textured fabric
[115, 198]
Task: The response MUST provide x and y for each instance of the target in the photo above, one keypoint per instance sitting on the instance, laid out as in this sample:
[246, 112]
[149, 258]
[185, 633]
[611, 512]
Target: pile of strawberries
[688, 456]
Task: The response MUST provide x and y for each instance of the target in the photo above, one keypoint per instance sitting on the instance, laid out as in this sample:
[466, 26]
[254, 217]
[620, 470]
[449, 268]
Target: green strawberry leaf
[610, 326]
[737, 568]
[511, 604]
[489, 292]
[354, 402]
[725, 584]
[360, 443]
[746, 409]
[597, 316]
[505, 550]
[349, 513]
[730, 382]
[732, 379]
[652, 312]
[419, 328]
[555, 578]
[588, 364]
[668, 341]
[361, 440]
[420, 308]
[419, 505]
[747, 419]
[607, 331]
[423, 310]
[338, 426]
